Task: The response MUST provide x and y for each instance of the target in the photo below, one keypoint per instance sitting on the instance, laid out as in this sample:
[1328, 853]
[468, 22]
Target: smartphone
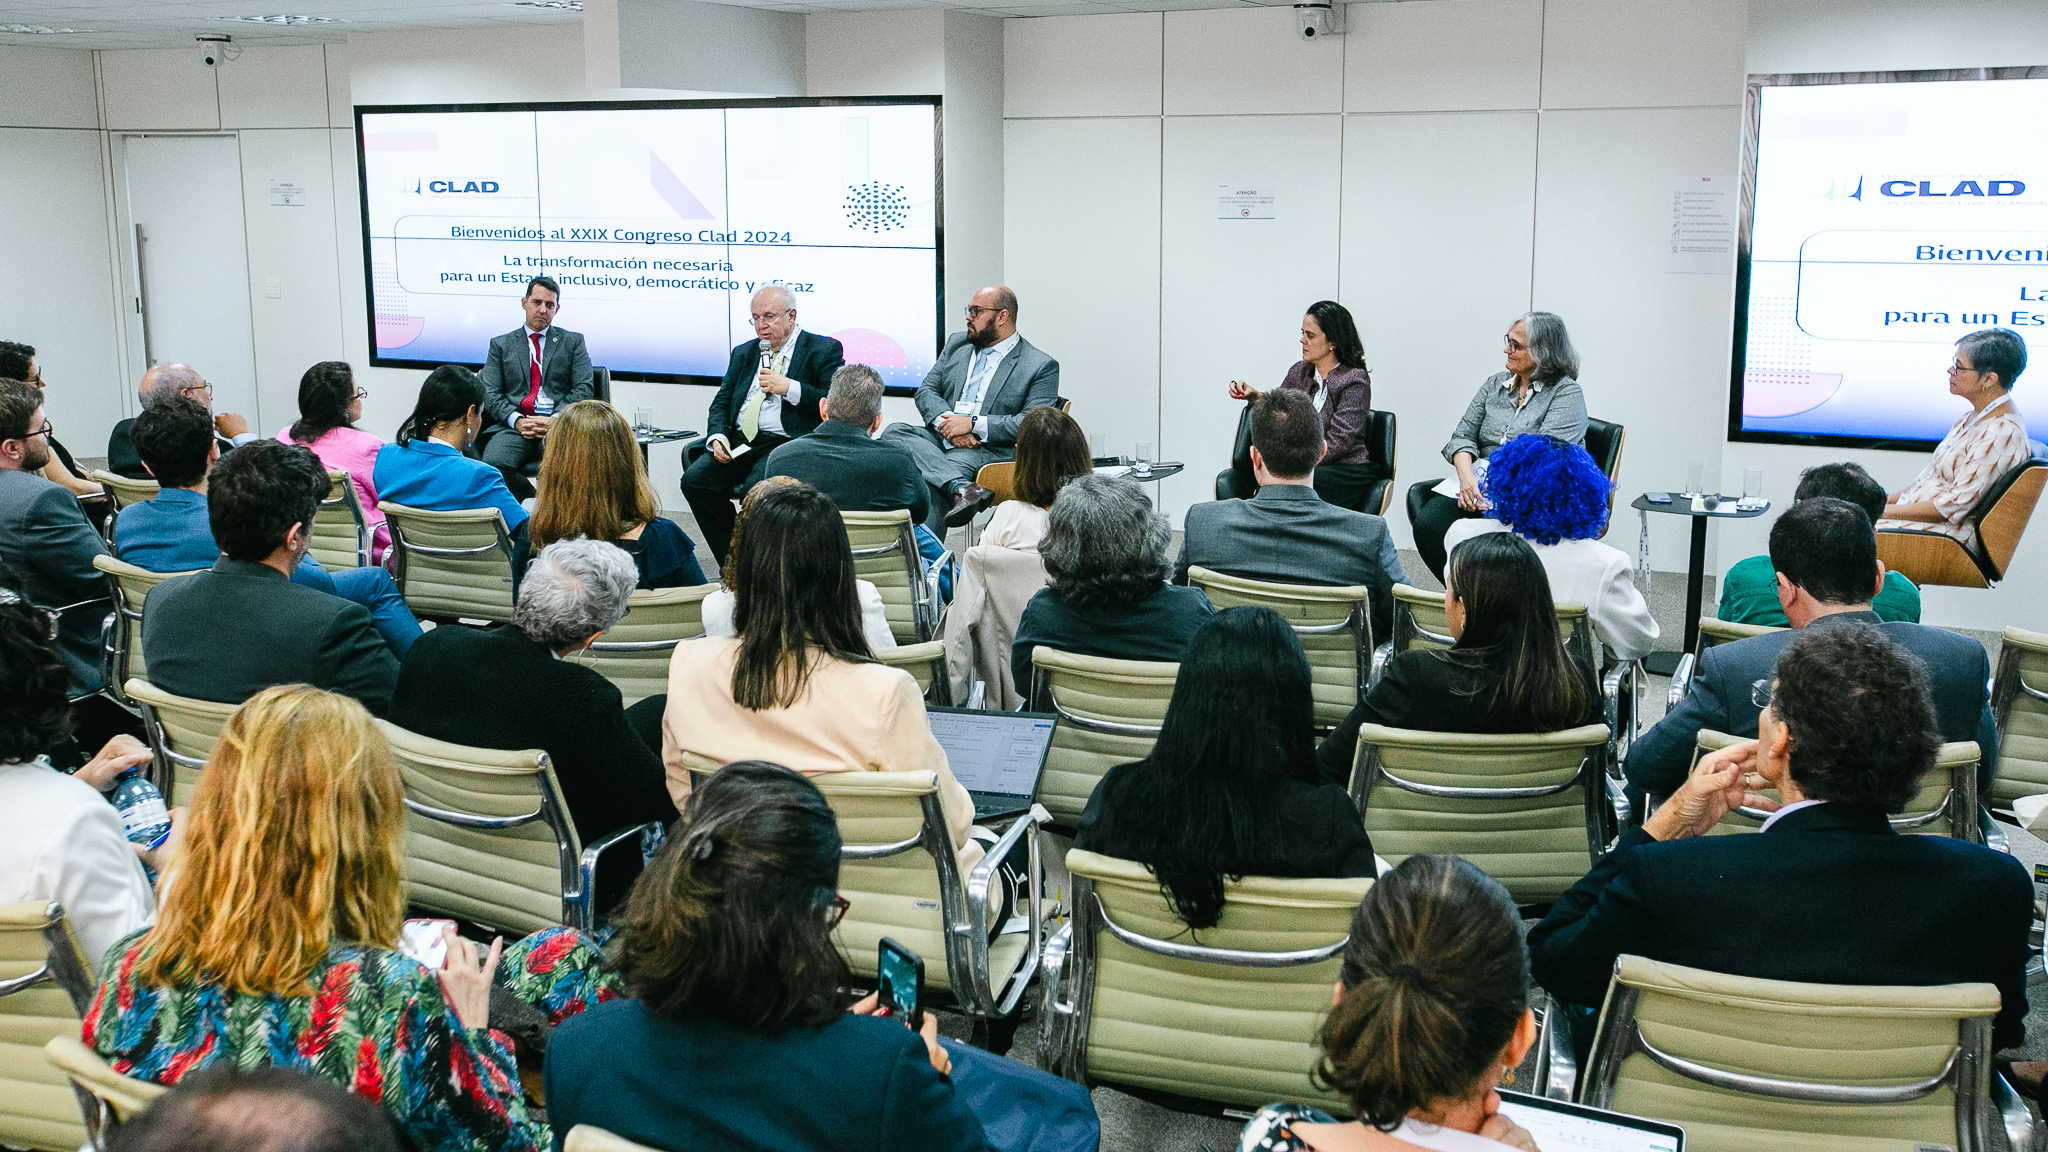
[899, 981]
[1657, 497]
[421, 940]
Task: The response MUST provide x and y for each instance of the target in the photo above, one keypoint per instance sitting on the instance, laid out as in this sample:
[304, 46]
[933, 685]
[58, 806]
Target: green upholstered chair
[634, 653]
[1774, 1065]
[1946, 804]
[1532, 811]
[885, 555]
[341, 536]
[45, 987]
[1333, 624]
[926, 664]
[1229, 1014]
[2019, 699]
[182, 732]
[488, 837]
[1109, 714]
[1419, 622]
[131, 586]
[452, 565]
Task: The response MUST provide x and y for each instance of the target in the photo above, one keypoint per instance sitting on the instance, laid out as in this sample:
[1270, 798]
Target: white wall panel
[973, 129]
[875, 53]
[47, 88]
[1234, 290]
[1483, 54]
[1087, 281]
[1082, 65]
[1237, 61]
[340, 105]
[1886, 35]
[275, 88]
[158, 89]
[713, 47]
[1642, 53]
[294, 249]
[1438, 216]
[467, 65]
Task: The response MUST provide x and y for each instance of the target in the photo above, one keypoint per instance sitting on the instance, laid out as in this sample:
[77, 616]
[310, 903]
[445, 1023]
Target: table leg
[1695, 575]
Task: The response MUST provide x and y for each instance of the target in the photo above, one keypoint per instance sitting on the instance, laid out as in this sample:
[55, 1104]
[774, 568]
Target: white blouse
[1979, 448]
[60, 840]
[874, 616]
[1017, 524]
[1592, 574]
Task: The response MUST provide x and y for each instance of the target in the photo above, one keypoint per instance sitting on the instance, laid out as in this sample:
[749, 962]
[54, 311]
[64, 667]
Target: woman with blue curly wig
[1549, 492]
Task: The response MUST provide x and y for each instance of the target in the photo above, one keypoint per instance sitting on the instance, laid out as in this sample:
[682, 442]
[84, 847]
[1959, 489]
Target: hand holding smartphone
[899, 982]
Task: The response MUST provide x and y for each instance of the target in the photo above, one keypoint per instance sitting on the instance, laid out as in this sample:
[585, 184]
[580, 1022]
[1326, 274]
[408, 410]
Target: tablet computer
[1564, 1127]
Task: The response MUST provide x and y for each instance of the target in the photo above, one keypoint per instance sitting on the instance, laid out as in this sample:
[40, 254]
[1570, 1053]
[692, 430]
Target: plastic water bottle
[144, 819]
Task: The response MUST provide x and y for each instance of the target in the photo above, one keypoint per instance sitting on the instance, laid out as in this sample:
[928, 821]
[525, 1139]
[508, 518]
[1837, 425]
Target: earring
[1507, 1077]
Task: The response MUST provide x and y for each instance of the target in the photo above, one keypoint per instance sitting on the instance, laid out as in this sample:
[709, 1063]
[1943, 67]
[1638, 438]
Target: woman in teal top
[1749, 589]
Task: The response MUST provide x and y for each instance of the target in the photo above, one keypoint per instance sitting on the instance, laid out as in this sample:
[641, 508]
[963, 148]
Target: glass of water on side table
[1141, 460]
[643, 419]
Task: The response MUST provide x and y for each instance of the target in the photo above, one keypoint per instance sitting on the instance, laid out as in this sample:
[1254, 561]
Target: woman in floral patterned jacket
[1989, 441]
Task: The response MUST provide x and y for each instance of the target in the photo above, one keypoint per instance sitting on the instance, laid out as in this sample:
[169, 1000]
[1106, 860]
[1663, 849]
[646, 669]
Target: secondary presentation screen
[659, 221]
[1885, 221]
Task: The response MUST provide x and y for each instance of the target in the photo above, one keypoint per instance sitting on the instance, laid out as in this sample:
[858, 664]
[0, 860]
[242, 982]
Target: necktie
[533, 371]
[750, 409]
[982, 369]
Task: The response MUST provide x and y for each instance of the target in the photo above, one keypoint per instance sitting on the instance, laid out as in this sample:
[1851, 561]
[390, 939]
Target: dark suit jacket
[500, 689]
[1290, 535]
[230, 632]
[1828, 895]
[859, 474]
[507, 375]
[1026, 379]
[124, 460]
[46, 551]
[1720, 700]
[811, 364]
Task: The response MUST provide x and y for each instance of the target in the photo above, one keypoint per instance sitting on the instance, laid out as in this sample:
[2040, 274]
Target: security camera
[213, 49]
[1315, 21]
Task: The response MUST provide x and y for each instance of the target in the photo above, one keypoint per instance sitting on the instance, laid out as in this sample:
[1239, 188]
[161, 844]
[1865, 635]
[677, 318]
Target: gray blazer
[1290, 535]
[1491, 419]
[46, 551]
[1026, 379]
[564, 371]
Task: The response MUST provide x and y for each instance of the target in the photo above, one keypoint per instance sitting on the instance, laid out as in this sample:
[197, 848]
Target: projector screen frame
[936, 103]
[1752, 113]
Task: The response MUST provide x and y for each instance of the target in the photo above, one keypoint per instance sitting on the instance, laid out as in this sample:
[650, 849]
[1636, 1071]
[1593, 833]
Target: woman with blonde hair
[275, 942]
[592, 483]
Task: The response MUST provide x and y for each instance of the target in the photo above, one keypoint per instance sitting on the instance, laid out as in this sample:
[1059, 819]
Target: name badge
[967, 408]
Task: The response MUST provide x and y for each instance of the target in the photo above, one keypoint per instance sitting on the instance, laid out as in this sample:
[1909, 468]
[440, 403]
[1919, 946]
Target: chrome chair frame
[925, 602]
[124, 633]
[403, 549]
[344, 493]
[601, 646]
[64, 967]
[1358, 622]
[164, 769]
[1041, 699]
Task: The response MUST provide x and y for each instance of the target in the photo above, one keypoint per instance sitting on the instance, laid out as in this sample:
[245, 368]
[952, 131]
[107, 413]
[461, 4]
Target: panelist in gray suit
[46, 543]
[530, 373]
[972, 402]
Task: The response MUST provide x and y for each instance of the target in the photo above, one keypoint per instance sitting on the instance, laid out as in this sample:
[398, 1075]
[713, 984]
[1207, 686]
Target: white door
[185, 198]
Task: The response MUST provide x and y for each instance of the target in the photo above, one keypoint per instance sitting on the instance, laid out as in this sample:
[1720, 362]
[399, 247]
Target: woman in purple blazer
[1332, 371]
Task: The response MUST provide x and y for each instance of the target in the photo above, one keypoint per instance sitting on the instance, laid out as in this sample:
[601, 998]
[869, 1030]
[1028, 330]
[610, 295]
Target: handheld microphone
[767, 356]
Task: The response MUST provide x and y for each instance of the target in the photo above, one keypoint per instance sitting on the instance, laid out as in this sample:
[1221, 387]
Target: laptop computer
[996, 756]
[1558, 1125]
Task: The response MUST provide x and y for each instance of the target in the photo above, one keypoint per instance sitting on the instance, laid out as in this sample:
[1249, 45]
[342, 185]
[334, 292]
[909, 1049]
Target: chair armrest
[983, 876]
[1617, 797]
[1557, 1072]
[1380, 656]
[1055, 1015]
[1681, 681]
[585, 911]
[2012, 1112]
[1994, 836]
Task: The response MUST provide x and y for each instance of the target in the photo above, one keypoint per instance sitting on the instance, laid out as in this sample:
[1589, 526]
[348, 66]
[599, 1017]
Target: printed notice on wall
[1702, 226]
[287, 194]
[1244, 202]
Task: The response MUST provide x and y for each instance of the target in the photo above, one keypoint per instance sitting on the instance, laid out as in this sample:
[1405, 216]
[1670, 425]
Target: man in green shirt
[1749, 589]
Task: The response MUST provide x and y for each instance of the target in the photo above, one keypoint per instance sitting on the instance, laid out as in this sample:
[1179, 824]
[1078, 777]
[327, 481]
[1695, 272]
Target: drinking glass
[1695, 479]
[1752, 484]
[643, 419]
[1141, 460]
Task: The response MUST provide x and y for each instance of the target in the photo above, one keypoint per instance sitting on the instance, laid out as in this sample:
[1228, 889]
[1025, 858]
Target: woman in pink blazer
[330, 403]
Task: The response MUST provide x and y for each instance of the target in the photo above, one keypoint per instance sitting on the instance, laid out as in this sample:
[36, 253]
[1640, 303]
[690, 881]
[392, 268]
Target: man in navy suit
[529, 374]
[1826, 557]
[769, 397]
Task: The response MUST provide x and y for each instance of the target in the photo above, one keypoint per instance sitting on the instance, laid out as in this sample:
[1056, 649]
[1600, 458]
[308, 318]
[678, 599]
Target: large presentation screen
[659, 221]
[1885, 217]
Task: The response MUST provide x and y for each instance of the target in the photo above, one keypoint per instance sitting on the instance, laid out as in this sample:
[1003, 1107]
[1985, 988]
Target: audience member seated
[1051, 450]
[240, 626]
[1431, 1013]
[330, 403]
[799, 683]
[593, 484]
[260, 1109]
[1984, 444]
[1829, 893]
[426, 468]
[1826, 557]
[18, 362]
[278, 942]
[511, 688]
[1553, 495]
[860, 474]
[46, 543]
[735, 1023]
[1229, 789]
[1749, 589]
[1288, 533]
[163, 382]
[59, 839]
[1332, 376]
[174, 532]
[1106, 592]
[1508, 672]
[717, 609]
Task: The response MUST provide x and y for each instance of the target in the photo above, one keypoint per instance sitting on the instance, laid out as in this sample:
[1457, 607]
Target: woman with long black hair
[1508, 671]
[1332, 371]
[427, 467]
[1229, 788]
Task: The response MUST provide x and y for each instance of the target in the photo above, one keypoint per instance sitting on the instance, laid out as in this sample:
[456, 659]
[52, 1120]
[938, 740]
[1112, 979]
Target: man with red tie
[531, 373]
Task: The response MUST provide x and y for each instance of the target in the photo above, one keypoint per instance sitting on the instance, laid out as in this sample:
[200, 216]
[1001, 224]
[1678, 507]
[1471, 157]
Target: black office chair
[1603, 442]
[1237, 483]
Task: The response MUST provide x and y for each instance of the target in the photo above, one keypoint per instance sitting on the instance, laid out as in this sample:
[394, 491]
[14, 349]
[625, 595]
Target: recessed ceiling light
[557, 5]
[283, 19]
[39, 30]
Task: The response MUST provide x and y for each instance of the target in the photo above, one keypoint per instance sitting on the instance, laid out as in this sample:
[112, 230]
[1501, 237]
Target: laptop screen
[1556, 1125]
[993, 752]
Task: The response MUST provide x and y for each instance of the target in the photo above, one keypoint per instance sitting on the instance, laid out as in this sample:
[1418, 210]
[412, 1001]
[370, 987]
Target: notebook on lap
[1573, 1128]
[996, 756]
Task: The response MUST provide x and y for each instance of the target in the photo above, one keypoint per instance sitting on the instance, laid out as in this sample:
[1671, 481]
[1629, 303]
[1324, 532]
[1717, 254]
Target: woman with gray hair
[1539, 392]
[1106, 592]
[512, 688]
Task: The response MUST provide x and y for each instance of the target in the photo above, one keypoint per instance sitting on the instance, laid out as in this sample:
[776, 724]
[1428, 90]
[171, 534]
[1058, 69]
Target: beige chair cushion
[1935, 787]
[896, 574]
[2023, 729]
[340, 536]
[657, 614]
[189, 728]
[135, 585]
[477, 586]
[37, 1107]
[922, 661]
[895, 896]
[1094, 687]
[125, 1094]
[1336, 660]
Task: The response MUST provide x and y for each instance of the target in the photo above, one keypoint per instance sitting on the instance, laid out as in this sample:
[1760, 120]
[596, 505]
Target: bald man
[972, 401]
[160, 382]
[769, 397]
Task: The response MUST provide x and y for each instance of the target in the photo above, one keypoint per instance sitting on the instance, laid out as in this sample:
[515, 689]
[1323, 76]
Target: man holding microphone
[770, 396]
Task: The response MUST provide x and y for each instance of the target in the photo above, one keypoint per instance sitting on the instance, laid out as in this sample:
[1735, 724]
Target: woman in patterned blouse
[1989, 441]
[274, 941]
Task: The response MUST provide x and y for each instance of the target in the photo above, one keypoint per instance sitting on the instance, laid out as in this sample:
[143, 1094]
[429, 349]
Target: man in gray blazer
[972, 401]
[1287, 533]
[46, 543]
[1826, 556]
[529, 374]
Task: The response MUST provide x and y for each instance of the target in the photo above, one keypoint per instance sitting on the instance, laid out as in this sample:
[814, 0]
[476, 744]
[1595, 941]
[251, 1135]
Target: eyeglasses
[205, 389]
[362, 393]
[974, 310]
[45, 430]
[1958, 368]
[765, 317]
[1760, 693]
[835, 912]
[1514, 345]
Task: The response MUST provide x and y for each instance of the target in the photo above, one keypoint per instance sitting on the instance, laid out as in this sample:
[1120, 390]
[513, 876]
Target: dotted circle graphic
[877, 207]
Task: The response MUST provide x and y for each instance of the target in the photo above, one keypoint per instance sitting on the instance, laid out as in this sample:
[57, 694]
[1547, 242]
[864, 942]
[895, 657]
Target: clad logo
[462, 186]
[1982, 186]
[1844, 188]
